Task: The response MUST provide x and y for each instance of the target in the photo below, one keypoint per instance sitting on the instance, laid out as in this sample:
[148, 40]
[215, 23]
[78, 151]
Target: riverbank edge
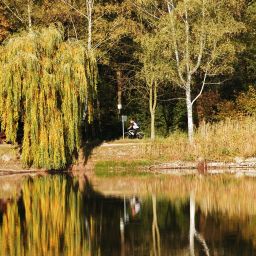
[10, 165]
[11, 179]
[211, 167]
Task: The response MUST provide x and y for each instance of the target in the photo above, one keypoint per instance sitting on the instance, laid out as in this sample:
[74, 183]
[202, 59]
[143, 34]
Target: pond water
[61, 215]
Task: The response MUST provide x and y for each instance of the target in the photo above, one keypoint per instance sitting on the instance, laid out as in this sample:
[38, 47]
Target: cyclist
[133, 127]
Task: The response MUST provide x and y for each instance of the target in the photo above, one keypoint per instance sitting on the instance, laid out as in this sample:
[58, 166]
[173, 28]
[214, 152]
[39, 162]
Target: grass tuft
[121, 168]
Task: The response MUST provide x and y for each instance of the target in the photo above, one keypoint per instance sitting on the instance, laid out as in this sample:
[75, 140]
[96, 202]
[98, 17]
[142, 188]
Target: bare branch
[107, 38]
[73, 26]
[106, 51]
[214, 83]
[173, 99]
[73, 7]
[200, 55]
[158, 9]
[145, 11]
[202, 88]
[187, 41]
[176, 47]
[15, 14]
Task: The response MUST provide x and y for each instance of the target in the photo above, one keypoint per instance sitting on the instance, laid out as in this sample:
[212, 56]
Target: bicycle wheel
[126, 135]
[140, 135]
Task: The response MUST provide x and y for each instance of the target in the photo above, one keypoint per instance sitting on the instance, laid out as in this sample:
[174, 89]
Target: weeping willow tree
[45, 83]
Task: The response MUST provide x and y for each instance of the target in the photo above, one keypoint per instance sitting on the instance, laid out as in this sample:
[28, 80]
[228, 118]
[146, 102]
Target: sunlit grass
[220, 141]
[227, 139]
[121, 168]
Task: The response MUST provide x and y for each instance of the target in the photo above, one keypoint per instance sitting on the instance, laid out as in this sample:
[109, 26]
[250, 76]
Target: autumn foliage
[44, 85]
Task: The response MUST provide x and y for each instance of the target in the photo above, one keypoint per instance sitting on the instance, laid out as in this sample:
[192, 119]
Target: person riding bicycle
[133, 127]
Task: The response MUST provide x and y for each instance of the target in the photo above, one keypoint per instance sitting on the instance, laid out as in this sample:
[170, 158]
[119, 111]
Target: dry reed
[220, 141]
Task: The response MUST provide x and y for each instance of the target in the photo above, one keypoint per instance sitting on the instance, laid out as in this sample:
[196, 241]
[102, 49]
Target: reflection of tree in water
[59, 215]
[192, 230]
[155, 230]
[44, 220]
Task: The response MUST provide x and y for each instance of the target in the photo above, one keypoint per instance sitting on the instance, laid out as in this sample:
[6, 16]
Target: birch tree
[199, 36]
[154, 71]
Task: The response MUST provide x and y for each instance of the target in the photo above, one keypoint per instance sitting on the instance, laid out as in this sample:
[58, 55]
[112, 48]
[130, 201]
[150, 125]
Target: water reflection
[59, 215]
[192, 229]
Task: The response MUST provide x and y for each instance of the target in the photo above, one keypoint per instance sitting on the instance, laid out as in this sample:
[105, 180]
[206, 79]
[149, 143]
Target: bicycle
[132, 135]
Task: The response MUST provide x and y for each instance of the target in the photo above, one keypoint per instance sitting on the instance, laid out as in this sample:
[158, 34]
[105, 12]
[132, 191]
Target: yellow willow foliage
[45, 84]
[53, 223]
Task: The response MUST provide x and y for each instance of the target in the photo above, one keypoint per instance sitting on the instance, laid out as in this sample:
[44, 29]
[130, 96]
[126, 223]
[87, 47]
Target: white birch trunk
[189, 114]
[152, 126]
[89, 4]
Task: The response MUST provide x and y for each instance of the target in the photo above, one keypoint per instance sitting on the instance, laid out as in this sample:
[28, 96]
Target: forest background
[136, 66]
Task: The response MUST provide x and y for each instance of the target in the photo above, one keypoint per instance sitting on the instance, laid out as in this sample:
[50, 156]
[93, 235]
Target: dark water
[58, 215]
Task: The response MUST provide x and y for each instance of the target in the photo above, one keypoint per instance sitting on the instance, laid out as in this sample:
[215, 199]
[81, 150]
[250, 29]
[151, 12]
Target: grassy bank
[223, 141]
[121, 168]
[8, 150]
[220, 141]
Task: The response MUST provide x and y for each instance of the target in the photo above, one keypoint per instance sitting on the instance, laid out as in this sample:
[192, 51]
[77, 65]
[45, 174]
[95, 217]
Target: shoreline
[118, 152]
[172, 167]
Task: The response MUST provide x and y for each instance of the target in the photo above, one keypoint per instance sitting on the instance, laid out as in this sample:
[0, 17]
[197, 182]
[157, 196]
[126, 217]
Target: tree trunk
[29, 17]
[152, 107]
[89, 4]
[189, 114]
[152, 126]
[119, 89]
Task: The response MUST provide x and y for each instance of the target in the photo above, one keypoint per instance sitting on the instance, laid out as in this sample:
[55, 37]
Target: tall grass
[228, 138]
[220, 141]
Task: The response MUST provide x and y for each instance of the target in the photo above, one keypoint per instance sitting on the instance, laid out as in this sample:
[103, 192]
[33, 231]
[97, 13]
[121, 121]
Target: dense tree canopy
[206, 48]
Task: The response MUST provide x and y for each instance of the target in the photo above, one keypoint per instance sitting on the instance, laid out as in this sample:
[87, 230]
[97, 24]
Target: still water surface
[60, 215]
